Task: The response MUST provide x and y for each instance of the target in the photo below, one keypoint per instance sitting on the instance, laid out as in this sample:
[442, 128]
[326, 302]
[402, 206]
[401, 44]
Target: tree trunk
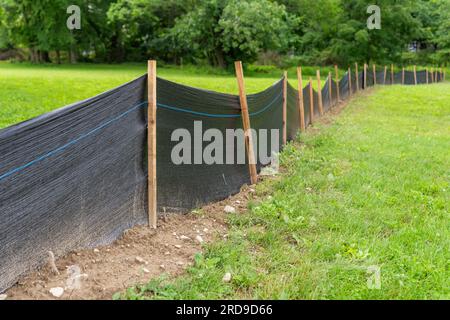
[72, 55]
[220, 59]
[44, 57]
[58, 57]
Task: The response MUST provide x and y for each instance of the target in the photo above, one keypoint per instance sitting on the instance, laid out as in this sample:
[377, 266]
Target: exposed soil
[141, 253]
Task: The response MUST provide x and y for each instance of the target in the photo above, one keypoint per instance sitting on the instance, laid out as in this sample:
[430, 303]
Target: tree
[225, 30]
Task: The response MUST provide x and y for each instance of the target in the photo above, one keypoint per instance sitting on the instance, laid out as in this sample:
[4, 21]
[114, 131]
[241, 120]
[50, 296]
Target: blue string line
[53, 152]
[105, 124]
[212, 115]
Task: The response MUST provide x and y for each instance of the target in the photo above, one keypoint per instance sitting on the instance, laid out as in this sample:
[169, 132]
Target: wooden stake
[311, 101]
[336, 72]
[300, 102]
[415, 75]
[350, 81]
[246, 122]
[374, 75]
[285, 108]
[330, 91]
[151, 142]
[319, 92]
[403, 75]
[392, 74]
[426, 73]
[357, 77]
[385, 75]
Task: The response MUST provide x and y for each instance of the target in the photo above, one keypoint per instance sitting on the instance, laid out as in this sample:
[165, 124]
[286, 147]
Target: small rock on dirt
[177, 246]
[185, 238]
[163, 267]
[140, 260]
[96, 250]
[3, 297]
[227, 277]
[145, 270]
[57, 292]
[229, 209]
[199, 239]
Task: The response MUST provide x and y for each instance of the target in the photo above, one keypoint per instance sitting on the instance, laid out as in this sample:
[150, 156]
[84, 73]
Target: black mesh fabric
[77, 177]
[326, 101]
[344, 87]
[73, 178]
[293, 113]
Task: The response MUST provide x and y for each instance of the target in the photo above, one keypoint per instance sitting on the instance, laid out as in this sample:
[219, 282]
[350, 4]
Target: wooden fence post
[350, 81]
[403, 75]
[330, 91]
[311, 101]
[385, 75]
[246, 122]
[374, 74]
[415, 75]
[319, 93]
[357, 76]
[285, 108]
[392, 73]
[151, 144]
[300, 102]
[337, 83]
[426, 74]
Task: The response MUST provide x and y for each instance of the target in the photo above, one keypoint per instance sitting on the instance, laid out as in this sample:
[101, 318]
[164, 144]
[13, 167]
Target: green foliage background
[216, 32]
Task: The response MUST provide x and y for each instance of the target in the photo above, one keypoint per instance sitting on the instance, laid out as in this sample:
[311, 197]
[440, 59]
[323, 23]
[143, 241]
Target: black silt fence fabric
[422, 77]
[183, 187]
[326, 102]
[398, 77]
[316, 104]
[380, 78]
[306, 104]
[334, 97]
[344, 88]
[353, 77]
[439, 77]
[293, 114]
[73, 178]
[369, 79]
[360, 80]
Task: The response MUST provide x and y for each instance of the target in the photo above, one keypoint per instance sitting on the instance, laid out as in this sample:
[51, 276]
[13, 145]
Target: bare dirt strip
[139, 255]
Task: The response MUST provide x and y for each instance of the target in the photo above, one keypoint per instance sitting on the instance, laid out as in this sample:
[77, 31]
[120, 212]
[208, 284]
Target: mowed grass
[27, 90]
[370, 191]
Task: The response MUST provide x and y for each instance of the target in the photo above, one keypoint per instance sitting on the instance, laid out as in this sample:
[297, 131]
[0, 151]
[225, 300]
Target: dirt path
[138, 256]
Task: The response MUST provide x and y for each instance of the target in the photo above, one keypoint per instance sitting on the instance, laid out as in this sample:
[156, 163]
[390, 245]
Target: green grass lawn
[27, 91]
[371, 189]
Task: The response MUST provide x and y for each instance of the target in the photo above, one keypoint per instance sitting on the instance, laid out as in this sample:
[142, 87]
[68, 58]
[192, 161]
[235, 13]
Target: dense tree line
[220, 31]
